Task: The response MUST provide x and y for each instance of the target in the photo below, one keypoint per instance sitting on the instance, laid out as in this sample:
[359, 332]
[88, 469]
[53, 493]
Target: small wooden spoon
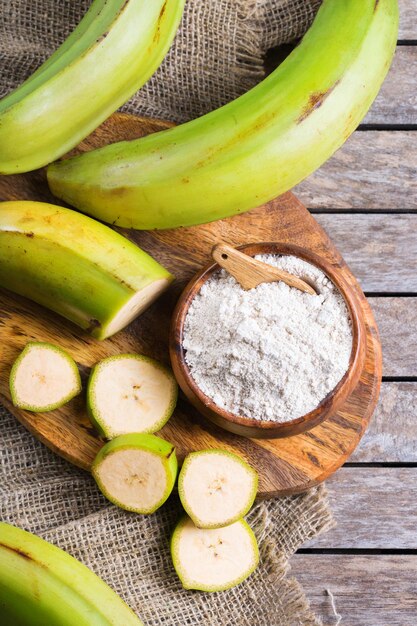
[250, 272]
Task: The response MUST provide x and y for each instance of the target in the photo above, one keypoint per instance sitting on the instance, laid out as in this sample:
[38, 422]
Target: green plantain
[76, 266]
[114, 50]
[41, 585]
[252, 149]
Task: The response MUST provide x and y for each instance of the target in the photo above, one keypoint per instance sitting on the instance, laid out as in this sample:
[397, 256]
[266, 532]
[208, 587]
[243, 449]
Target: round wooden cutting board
[285, 466]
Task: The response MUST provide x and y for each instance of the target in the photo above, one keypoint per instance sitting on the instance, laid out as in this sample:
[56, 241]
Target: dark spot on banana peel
[117, 191]
[93, 325]
[315, 101]
[104, 35]
[21, 553]
[125, 3]
[162, 11]
[170, 453]
[30, 235]
[160, 17]
[376, 5]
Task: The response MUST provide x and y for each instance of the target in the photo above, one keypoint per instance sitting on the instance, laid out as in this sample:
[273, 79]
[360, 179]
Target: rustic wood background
[366, 199]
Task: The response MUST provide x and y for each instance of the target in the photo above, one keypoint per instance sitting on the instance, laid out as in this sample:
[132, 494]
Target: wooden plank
[374, 508]
[408, 22]
[373, 170]
[397, 322]
[368, 590]
[380, 249]
[397, 101]
[392, 434]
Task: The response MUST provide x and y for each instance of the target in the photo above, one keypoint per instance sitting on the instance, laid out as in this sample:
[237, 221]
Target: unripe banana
[115, 49]
[76, 266]
[252, 149]
[41, 585]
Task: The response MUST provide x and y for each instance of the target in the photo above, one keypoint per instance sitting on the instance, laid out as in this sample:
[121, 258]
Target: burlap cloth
[216, 56]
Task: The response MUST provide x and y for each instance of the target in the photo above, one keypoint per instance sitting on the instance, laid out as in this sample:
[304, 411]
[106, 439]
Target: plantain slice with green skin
[250, 150]
[213, 559]
[41, 585]
[76, 266]
[130, 393]
[136, 472]
[115, 49]
[216, 487]
[43, 378]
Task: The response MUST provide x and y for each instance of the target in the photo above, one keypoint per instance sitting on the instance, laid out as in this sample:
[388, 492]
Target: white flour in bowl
[271, 353]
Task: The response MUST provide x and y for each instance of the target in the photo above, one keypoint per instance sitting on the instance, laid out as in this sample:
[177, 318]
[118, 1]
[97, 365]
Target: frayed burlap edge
[278, 564]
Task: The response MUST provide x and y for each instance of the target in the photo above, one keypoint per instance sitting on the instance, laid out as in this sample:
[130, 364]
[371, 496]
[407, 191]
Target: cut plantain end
[213, 559]
[130, 393]
[137, 472]
[216, 487]
[98, 279]
[43, 378]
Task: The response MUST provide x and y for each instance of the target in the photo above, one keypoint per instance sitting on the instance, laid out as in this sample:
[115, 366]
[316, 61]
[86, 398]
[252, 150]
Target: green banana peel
[42, 585]
[253, 149]
[115, 49]
[76, 266]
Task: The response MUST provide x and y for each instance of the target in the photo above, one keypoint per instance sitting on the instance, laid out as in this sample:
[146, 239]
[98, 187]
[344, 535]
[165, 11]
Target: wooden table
[366, 199]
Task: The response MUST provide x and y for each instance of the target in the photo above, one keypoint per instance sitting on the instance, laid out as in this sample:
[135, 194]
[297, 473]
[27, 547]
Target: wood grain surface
[372, 171]
[392, 434]
[369, 590]
[380, 251]
[285, 466]
[397, 322]
[408, 22]
[357, 495]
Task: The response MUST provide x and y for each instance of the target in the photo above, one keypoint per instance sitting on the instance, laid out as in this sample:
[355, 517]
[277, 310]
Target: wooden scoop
[250, 272]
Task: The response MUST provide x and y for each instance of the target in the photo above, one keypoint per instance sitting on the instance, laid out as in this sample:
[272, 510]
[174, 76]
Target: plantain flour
[271, 353]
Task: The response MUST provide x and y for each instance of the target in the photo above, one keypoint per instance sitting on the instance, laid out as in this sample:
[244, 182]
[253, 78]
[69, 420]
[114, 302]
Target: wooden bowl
[266, 429]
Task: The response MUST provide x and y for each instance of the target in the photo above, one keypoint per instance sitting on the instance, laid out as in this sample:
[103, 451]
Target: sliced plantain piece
[136, 472]
[130, 393]
[43, 378]
[213, 559]
[216, 487]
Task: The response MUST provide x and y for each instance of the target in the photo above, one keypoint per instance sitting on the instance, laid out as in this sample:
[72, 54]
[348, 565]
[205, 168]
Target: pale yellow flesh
[136, 305]
[134, 478]
[214, 557]
[131, 395]
[43, 378]
[216, 488]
